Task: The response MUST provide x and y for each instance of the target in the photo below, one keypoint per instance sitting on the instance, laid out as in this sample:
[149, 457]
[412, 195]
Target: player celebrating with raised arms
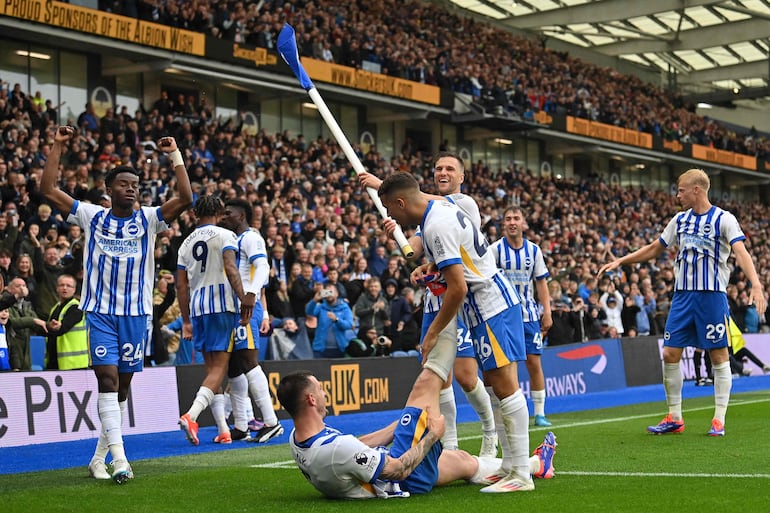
[117, 288]
[456, 246]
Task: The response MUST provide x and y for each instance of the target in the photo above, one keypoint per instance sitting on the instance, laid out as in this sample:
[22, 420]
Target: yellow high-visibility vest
[72, 347]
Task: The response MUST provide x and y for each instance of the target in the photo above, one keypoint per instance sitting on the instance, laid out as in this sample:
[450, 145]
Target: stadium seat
[37, 352]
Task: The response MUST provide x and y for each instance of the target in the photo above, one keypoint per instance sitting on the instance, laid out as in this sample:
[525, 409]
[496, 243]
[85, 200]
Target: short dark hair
[244, 205]
[115, 171]
[398, 182]
[207, 206]
[514, 209]
[449, 154]
[291, 388]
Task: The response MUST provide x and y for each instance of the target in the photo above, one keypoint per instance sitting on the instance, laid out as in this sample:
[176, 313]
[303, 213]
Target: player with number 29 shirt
[706, 235]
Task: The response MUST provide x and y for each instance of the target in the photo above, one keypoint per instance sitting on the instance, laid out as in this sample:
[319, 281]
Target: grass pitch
[605, 462]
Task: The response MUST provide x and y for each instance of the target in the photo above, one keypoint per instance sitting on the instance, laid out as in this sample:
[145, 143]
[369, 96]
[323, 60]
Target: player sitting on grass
[345, 467]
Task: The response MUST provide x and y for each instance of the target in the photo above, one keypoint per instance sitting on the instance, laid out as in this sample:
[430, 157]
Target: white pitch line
[661, 474]
[277, 464]
[289, 464]
[620, 419]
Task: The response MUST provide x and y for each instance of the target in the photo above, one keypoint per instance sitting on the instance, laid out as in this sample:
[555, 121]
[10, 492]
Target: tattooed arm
[397, 469]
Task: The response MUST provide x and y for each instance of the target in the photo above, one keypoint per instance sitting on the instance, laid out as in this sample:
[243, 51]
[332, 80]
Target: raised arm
[182, 201]
[58, 198]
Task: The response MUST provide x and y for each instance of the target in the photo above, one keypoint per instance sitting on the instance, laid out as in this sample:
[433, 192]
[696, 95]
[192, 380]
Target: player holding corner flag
[117, 287]
[490, 306]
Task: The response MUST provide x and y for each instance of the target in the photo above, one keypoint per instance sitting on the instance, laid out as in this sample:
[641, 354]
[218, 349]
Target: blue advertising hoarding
[577, 369]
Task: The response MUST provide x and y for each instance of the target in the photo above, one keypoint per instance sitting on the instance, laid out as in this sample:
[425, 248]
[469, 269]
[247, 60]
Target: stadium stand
[301, 188]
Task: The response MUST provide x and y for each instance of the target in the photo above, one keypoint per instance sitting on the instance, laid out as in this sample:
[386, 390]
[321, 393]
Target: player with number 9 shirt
[207, 301]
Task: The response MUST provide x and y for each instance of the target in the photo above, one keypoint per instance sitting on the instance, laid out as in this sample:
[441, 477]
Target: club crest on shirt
[132, 229]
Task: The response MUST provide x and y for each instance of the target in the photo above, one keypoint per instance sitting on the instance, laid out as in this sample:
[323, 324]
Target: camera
[326, 293]
[382, 340]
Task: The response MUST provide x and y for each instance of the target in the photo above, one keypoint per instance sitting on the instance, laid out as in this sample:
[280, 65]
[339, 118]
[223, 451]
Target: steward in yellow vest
[67, 337]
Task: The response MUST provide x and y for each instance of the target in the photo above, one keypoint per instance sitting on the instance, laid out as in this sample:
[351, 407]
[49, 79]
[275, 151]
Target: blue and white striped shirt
[450, 237]
[119, 258]
[705, 242]
[201, 255]
[522, 266]
[252, 262]
[467, 204]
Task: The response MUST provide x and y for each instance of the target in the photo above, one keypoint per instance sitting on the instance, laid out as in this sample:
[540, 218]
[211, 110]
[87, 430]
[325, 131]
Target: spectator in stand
[6, 257]
[629, 314]
[395, 271]
[565, 325]
[367, 343]
[9, 233]
[202, 156]
[378, 259]
[405, 330]
[332, 277]
[302, 290]
[165, 310]
[25, 270]
[48, 267]
[5, 357]
[23, 321]
[612, 303]
[87, 120]
[335, 323]
[372, 308]
[594, 321]
[45, 220]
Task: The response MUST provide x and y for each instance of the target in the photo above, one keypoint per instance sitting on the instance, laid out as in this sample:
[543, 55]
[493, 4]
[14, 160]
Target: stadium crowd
[317, 221]
[319, 225]
[423, 42]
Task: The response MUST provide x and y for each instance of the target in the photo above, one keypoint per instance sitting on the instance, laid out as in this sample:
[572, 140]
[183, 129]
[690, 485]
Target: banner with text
[372, 82]
[105, 24]
[612, 133]
[352, 385]
[53, 406]
[578, 369]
